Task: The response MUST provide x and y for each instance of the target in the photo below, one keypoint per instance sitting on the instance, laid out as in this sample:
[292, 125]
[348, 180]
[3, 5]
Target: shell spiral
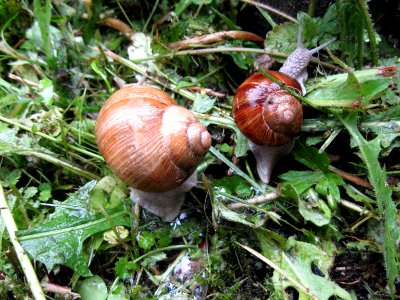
[264, 112]
[149, 141]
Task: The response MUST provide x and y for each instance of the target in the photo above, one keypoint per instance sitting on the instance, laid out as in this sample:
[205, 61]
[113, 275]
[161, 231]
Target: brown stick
[216, 37]
[206, 90]
[257, 200]
[352, 178]
[122, 27]
[57, 289]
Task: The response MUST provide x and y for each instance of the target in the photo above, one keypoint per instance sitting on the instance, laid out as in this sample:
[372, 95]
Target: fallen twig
[350, 177]
[216, 37]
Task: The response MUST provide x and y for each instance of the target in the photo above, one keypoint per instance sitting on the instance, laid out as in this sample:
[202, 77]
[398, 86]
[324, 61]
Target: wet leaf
[59, 239]
[92, 288]
[124, 268]
[146, 240]
[296, 260]
[203, 103]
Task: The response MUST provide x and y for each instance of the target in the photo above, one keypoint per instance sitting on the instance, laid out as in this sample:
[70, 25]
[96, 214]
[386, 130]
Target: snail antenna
[315, 50]
[299, 36]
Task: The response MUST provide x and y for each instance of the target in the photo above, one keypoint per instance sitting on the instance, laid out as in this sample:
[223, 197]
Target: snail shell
[149, 141]
[264, 112]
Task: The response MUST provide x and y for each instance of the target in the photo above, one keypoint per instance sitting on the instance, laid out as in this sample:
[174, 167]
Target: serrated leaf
[30, 191]
[8, 177]
[146, 240]
[59, 239]
[124, 268]
[203, 103]
[386, 206]
[295, 261]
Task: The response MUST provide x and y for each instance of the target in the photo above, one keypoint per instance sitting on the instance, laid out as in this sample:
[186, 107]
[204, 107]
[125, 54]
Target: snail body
[153, 145]
[267, 114]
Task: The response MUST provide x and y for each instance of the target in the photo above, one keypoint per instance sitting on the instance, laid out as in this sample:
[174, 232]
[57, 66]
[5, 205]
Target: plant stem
[220, 156]
[371, 32]
[23, 258]
[311, 8]
[64, 164]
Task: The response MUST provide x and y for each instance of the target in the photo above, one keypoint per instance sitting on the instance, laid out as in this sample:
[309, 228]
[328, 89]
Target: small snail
[267, 114]
[153, 145]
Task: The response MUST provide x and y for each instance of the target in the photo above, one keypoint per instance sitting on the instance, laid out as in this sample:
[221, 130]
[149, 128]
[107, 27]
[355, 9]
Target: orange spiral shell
[149, 141]
[264, 112]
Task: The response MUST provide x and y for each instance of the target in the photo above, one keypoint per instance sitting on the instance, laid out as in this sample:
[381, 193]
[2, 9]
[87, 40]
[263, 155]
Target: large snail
[153, 145]
[268, 115]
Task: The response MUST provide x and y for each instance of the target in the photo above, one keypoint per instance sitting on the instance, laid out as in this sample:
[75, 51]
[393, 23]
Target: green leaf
[234, 185]
[351, 28]
[310, 157]
[302, 180]
[8, 177]
[225, 148]
[203, 103]
[59, 239]
[45, 190]
[30, 191]
[46, 91]
[342, 95]
[97, 70]
[90, 25]
[296, 260]
[221, 210]
[242, 60]
[163, 237]
[43, 15]
[146, 240]
[181, 6]
[314, 209]
[92, 288]
[124, 268]
[241, 145]
[282, 38]
[329, 185]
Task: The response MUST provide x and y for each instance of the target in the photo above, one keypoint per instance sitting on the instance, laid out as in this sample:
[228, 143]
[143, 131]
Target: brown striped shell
[264, 112]
[149, 141]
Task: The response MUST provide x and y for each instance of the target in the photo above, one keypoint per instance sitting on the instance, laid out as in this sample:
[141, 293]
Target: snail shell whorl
[149, 141]
[264, 112]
